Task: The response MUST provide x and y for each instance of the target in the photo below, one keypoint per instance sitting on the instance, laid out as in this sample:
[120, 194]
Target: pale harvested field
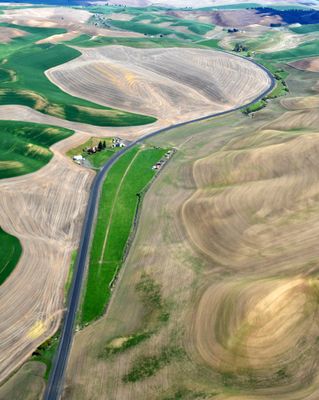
[60, 37]
[189, 3]
[44, 210]
[75, 31]
[235, 250]
[6, 34]
[171, 84]
[46, 17]
[27, 385]
[300, 103]
[242, 18]
[309, 64]
[74, 20]
[265, 39]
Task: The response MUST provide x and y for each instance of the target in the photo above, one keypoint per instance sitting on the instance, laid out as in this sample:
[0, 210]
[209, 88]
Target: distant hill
[174, 3]
[303, 17]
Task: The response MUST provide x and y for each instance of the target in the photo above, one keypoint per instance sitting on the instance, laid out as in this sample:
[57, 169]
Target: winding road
[55, 383]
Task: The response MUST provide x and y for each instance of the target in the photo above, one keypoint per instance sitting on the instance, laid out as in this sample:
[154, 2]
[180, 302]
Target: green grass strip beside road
[10, 252]
[118, 203]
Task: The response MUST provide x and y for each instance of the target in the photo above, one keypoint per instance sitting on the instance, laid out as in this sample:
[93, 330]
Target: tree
[100, 146]
[104, 145]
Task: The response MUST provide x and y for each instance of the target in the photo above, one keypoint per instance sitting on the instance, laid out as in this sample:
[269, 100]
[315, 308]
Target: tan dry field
[308, 64]
[28, 384]
[74, 20]
[45, 211]
[281, 40]
[227, 18]
[242, 18]
[301, 103]
[190, 3]
[75, 31]
[6, 34]
[235, 251]
[46, 17]
[172, 84]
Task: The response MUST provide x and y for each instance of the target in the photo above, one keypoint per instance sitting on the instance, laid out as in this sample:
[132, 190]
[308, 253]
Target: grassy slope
[10, 252]
[241, 6]
[148, 21]
[155, 29]
[25, 146]
[99, 159]
[123, 210]
[86, 41]
[148, 29]
[33, 89]
[309, 49]
[212, 43]
[196, 27]
[306, 29]
[199, 28]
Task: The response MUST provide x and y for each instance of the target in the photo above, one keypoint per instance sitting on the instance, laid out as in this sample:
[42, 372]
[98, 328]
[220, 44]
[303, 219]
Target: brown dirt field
[300, 103]
[46, 17]
[6, 34]
[235, 252]
[43, 211]
[90, 30]
[60, 38]
[308, 64]
[27, 384]
[171, 84]
[74, 20]
[280, 40]
[242, 18]
[120, 16]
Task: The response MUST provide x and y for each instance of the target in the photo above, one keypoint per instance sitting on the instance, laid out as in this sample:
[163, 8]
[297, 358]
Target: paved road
[55, 383]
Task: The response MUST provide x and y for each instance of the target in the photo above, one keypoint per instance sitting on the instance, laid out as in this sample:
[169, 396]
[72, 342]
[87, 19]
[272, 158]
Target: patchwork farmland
[201, 283]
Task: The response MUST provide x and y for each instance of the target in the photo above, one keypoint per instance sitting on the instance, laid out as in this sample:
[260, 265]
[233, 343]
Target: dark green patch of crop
[10, 252]
[24, 146]
[212, 43]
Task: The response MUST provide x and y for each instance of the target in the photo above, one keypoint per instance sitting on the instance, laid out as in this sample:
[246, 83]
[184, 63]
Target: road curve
[55, 383]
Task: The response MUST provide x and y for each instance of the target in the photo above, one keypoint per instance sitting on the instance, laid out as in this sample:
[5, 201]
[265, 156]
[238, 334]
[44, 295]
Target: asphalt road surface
[55, 383]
